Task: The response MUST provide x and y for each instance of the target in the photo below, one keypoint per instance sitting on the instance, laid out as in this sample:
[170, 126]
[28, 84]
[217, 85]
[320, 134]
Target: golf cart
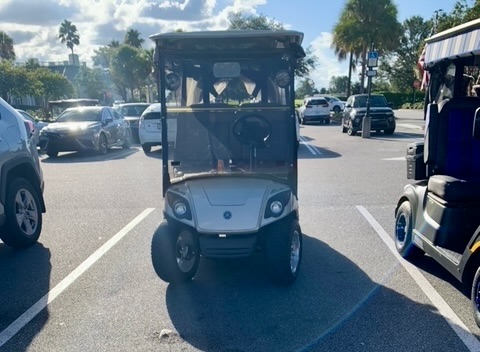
[230, 173]
[439, 214]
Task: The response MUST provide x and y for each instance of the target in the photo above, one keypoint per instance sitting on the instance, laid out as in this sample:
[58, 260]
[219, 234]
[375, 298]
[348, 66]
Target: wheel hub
[295, 252]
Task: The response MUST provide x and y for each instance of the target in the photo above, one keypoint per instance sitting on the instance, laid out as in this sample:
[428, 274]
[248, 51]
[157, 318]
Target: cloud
[186, 10]
[47, 12]
[327, 63]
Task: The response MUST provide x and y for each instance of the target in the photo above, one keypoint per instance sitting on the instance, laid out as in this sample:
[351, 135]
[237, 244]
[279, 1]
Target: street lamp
[435, 23]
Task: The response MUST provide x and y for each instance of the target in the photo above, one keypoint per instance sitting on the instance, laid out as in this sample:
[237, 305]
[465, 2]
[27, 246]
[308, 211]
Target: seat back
[450, 145]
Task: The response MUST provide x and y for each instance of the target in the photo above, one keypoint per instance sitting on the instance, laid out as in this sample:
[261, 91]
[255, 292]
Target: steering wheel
[253, 130]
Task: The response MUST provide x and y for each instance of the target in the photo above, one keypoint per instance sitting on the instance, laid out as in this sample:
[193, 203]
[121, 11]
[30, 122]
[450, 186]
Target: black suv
[381, 113]
[21, 180]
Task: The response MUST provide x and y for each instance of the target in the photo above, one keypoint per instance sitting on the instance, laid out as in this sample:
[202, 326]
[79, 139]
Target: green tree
[306, 86]
[462, 12]
[53, 86]
[130, 68]
[7, 50]
[400, 66]
[91, 82]
[32, 64]
[68, 34]
[242, 20]
[132, 38]
[339, 85]
[365, 23]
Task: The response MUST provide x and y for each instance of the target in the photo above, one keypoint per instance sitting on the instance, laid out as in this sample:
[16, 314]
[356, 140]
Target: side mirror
[476, 125]
[108, 120]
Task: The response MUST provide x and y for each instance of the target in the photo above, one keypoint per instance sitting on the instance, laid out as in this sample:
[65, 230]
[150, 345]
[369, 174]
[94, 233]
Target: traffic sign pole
[371, 63]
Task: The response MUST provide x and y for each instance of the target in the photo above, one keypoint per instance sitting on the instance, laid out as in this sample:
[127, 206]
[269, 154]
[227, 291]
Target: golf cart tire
[278, 249]
[475, 297]
[164, 260]
[403, 233]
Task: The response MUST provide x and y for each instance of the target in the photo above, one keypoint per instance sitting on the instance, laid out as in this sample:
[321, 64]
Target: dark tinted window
[375, 101]
[152, 116]
[80, 115]
[317, 102]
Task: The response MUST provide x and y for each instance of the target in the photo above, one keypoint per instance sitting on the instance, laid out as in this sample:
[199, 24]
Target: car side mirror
[108, 120]
[476, 125]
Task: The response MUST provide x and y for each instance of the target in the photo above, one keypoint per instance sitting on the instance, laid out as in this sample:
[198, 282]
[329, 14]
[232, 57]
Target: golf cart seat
[452, 189]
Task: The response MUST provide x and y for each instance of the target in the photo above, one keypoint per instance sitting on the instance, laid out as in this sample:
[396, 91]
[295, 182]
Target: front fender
[412, 193]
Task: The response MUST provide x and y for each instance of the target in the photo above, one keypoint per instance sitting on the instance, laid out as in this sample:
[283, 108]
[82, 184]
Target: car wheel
[403, 232]
[336, 109]
[327, 121]
[128, 140]
[344, 129]
[102, 145]
[283, 252]
[350, 130]
[175, 255]
[146, 148]
[52, 153]
[23, 214]
[389, 132]
[475, 297]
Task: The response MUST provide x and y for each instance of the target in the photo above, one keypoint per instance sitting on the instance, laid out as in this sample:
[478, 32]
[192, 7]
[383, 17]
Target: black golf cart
[229, 150]
[439, 214]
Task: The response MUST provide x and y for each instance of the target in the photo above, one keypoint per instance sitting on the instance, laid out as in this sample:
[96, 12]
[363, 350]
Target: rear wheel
[336, 109]
[283, 252]
[403, 232]
[52, 153]
[175, 255]
[24, 214]
[146, 148]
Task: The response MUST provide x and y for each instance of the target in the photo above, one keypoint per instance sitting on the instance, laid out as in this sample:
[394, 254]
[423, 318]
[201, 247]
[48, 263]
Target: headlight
[180, 209]
[276, 207]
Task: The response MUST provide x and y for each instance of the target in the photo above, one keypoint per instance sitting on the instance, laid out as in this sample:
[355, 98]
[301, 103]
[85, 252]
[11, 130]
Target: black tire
[403, 232]
[327, 121]
[389, 132]
[336, 109]
[344, 129]
[350, 130]
[146, 148]
[282, 263]
[475, 297]
[52, 153]
[166, 254]
[23, 215]
[102, 144]
[128, 140]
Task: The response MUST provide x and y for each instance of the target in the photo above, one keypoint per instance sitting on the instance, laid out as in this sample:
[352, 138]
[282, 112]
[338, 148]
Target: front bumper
[375, 124]
[66, 142]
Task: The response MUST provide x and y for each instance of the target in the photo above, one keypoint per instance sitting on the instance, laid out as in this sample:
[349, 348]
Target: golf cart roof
[236, 40]
[456, 42]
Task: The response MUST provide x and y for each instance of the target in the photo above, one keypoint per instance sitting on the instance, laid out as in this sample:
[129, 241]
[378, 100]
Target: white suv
[21, 180]
[314, 109]
[150, 128]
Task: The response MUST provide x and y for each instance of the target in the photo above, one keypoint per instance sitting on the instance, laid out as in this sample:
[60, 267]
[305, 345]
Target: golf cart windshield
[232, 109]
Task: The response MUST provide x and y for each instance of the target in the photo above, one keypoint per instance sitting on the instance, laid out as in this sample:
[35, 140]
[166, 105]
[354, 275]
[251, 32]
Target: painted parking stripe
[311, 148]
[43, 302]
[410, 125]
[443, 308]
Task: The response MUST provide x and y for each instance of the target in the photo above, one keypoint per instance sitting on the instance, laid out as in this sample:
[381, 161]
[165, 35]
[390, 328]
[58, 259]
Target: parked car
[132, 113]
[314, 109]
[150, 127]
[381, 113]
[335, 104]
[94, 128]
[21, 180]
[38, 124]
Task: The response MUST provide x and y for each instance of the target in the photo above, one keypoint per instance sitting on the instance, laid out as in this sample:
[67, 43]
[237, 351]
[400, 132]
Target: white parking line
[443, 308]
[311, 148]
[410, 125]
[43, 302]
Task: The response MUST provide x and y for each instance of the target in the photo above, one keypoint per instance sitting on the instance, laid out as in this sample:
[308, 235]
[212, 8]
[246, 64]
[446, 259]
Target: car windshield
[230, 117]
[132, 110]
[80, 115]
[375, 101]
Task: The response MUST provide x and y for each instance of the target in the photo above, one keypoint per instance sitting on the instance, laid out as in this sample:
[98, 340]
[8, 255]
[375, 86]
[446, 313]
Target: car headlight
[180, 208]
[276, 207]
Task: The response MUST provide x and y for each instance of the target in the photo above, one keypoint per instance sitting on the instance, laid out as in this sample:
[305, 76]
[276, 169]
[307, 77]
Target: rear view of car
[132, 113]
[150, 128]
[314, 109]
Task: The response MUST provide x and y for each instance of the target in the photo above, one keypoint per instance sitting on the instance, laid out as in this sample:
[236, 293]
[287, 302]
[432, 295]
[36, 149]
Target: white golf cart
[230, 175]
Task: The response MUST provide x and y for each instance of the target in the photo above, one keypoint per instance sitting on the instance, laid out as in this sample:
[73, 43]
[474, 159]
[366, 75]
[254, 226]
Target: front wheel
[344, 129]
[327, 121]
[24, 215]
[127, 143]
[475, 297]
[283, 252]
[175, 253]
[403, 233]
[336, 109]
[389, 132]
[350, 130]
[102, 145]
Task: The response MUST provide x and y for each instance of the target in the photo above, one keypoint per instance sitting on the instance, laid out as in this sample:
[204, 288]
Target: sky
[33, 24]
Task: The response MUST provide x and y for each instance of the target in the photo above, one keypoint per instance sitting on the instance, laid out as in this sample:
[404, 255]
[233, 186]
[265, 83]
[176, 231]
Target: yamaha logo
[227, 215]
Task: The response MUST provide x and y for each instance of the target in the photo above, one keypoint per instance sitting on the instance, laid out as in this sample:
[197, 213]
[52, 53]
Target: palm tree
[7, 51]
[68, 33]
[132, 38]
[364, 23]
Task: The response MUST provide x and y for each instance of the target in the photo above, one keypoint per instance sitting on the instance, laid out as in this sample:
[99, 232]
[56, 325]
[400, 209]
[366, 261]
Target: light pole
[435, 23]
